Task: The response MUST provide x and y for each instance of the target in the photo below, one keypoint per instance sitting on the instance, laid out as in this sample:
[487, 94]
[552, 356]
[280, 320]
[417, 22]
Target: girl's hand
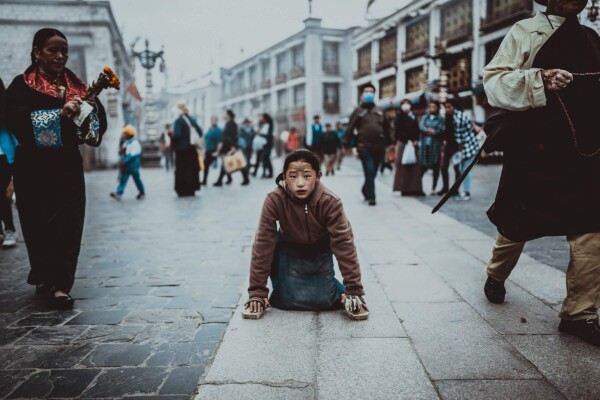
[72, 107]
[256, 306]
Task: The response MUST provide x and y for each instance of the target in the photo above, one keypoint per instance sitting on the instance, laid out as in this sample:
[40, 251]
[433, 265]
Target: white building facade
[94, 42]
[303, 75]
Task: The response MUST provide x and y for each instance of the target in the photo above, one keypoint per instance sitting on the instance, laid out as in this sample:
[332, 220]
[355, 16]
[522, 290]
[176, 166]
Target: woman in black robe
[48, 169]
[187, 166]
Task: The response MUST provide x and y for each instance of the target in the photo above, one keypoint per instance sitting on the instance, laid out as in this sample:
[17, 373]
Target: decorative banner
[133, 91]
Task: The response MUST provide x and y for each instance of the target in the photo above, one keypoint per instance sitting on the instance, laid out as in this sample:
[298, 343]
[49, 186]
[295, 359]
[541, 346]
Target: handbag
[195, 139]
[234, 161]
[409, 155]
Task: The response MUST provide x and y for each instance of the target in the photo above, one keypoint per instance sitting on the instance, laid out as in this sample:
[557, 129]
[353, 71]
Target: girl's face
[54, 55]
[433, 109]
[301, 179]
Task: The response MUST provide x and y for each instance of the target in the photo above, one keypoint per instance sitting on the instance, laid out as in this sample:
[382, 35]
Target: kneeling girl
[301, 227]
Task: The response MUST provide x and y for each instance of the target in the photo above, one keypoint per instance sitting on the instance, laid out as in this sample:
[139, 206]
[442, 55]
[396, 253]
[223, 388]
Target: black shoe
[586, 329]
[372, 202]
[140, 196]
[62, 302]
[494, 291]
[229, 182]
[42, 288]
[245, 183]
[218, 184]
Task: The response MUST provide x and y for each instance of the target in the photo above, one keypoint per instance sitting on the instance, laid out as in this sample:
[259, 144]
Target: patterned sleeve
[47, 128]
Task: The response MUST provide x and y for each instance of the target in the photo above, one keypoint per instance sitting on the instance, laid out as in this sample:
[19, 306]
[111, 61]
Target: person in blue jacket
[8, 145]
[130, 160]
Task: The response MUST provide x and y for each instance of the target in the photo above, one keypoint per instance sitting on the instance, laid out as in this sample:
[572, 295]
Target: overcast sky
[198, 34]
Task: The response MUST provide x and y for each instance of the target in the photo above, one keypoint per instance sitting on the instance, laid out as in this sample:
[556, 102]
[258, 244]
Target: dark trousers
[209, 159]
[436, 175]
[266, 159]
[371, 160]
[223, 173]
[5, 206]
[259, 156]
[445, 166]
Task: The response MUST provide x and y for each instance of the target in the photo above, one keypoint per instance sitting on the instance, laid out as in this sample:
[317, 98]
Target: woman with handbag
[40, 107]
[229, 143]
[430, 145]
[186, 142]
[407, 178]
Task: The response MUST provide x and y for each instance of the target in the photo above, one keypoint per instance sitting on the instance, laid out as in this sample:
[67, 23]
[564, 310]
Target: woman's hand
[71, 108]
[556, 79]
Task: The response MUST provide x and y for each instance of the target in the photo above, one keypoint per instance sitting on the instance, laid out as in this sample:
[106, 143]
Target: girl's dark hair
[455, 102]
[41, 37]
[304, 155]
[231, 114]
[268, 119]
[437, 103]
[406, 101]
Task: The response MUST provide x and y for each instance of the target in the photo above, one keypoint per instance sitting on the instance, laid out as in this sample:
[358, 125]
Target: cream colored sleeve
[507, 80]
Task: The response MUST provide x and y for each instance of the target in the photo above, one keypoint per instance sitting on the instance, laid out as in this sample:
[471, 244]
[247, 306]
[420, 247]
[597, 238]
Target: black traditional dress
[48, 179]
[550, 183]
[187, 167]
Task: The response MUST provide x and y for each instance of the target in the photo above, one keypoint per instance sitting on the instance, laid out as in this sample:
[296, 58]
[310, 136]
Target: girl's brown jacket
[304, 223]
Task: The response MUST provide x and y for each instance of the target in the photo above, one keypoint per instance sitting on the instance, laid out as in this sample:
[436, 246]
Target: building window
[387, 87]
[417, 38]
[364, 60]
[415, 79]
[331, 58]
[297, 61]
[282, 67]
[252, 77]
[331, 98]
[267, 102]
[457, 20]
[505, 12]
[282, 101]
[298, 96]
[459, 74]
[388, 50]
[77, 62]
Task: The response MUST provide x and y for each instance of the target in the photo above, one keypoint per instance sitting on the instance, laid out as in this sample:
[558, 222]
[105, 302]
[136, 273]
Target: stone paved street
[159, 282]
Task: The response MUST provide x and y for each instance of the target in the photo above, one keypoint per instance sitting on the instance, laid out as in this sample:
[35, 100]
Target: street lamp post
[151, 154]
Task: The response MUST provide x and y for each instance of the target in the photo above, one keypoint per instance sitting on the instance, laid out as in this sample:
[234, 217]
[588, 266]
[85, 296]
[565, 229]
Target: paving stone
[180, 332]
[567, 362]
[11, 306]
[50, 335]
[153, 317]
[47, 319]
[454, 342]
[118, 355]
[11, 335]
[100, 304]
[210, 333]
[99, 317]
[253, 391]
[498, 390]
[90, 293]
[10, 380]
[110, 334]
[121, 382]
[216, 315]
[180, 355]
[46, 357]
[55, 384]
[142, 302]
[338, 377]
[129, 290]
[182, 380]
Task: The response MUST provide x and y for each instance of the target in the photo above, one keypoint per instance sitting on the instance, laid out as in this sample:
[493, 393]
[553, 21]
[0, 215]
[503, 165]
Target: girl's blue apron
[303, 277]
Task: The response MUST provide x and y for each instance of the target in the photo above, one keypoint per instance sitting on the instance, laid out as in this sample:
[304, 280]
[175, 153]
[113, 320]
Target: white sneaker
[10, 239]
[463, 197]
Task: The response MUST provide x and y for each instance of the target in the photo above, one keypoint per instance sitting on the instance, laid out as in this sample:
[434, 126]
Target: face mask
[405, 107]
[368, 97]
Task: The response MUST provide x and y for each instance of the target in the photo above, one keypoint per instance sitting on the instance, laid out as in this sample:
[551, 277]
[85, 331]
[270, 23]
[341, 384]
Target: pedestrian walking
[467, 144]
[408, 175]
[545, 77]
[374, 135]
[8, 145]
[48, 168]
[330, 146]
[165, 146]
[314, 137]
[245, 140]
[186, 141]
[449, 148]
[389, 153]
[293, 141]
[212, 138]
[229, 143]
[430, 142]
[299, 256]
[265, 134]
[130, 160]
[340, 131]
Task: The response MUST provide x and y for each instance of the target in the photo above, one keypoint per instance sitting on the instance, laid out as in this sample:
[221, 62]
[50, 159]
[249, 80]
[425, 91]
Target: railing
[385, 63]
[414, 53]
[296, 72]
[459, 36]
[507, 16]
[362, 72]
[280, 78]
[331, 108]
[265, 84]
